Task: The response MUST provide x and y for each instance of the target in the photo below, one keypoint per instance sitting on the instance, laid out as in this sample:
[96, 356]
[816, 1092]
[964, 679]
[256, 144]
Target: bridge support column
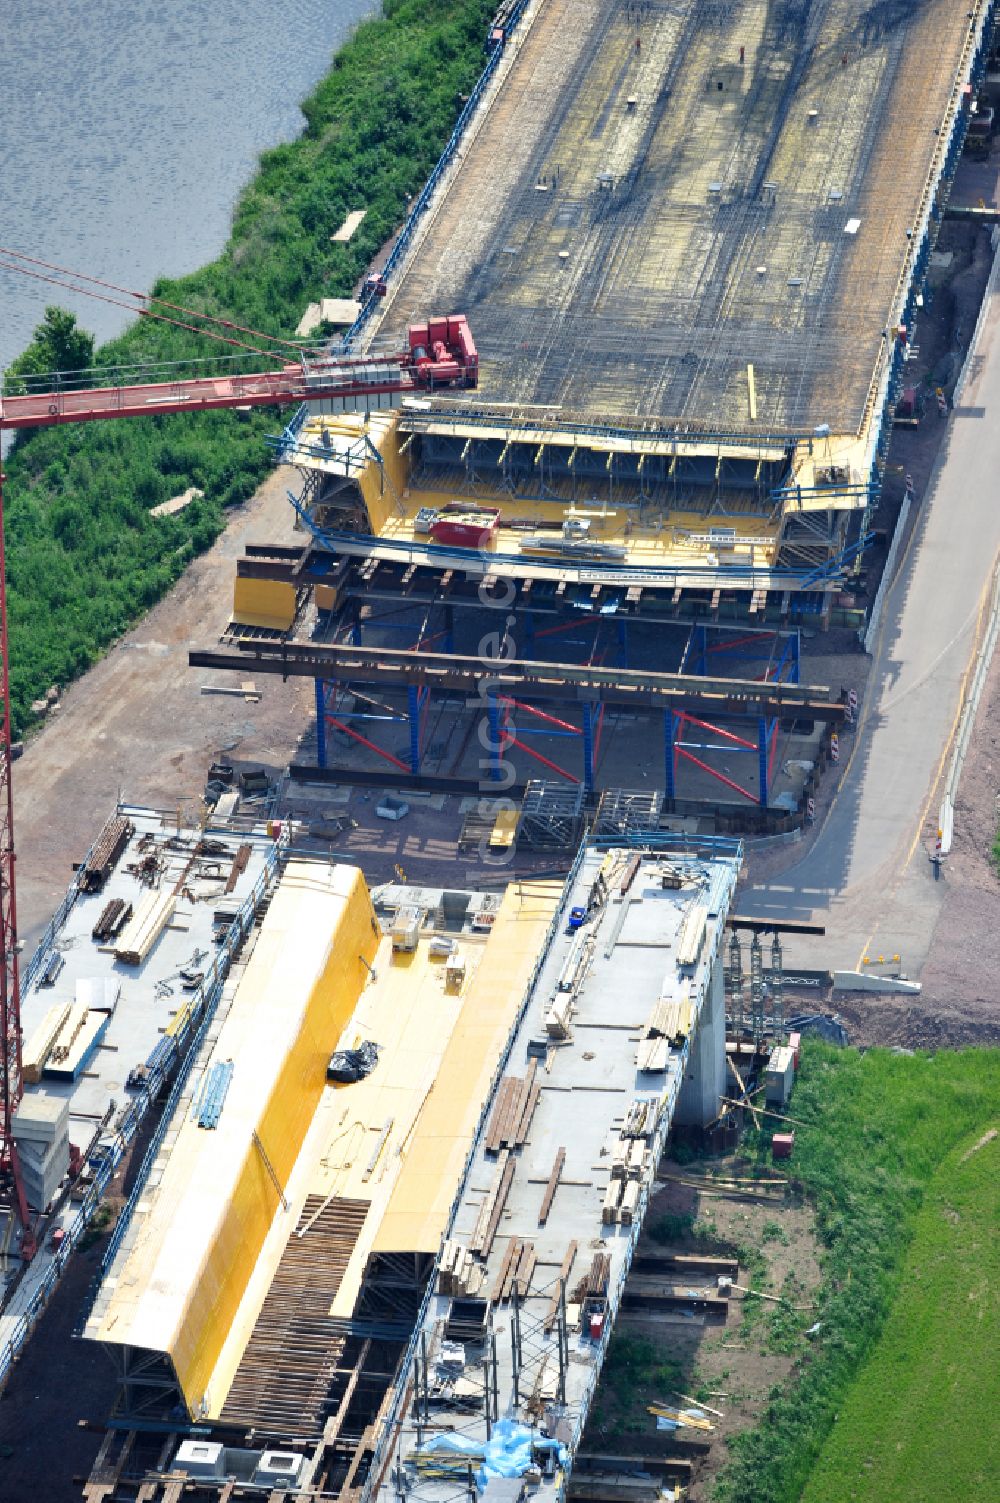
[705, 1076]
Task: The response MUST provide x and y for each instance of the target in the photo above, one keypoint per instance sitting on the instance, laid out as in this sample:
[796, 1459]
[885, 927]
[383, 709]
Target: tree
[58, 345]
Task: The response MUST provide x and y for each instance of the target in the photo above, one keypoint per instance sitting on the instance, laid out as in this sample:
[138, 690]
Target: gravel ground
[138, 726]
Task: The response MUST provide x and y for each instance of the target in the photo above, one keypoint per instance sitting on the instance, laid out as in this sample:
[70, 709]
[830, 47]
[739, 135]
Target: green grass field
[926, 1407]
[897, 1395]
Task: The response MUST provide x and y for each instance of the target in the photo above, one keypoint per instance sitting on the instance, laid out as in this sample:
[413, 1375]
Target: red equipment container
[782, 1144]
[466, 529]
[443, 352]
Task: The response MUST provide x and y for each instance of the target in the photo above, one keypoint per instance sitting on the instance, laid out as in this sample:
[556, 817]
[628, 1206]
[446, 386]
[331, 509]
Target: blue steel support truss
[320, 688]
[588, 747]
[669, 755]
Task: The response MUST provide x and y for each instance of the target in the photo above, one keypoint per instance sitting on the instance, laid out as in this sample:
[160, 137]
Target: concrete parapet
[864, 981]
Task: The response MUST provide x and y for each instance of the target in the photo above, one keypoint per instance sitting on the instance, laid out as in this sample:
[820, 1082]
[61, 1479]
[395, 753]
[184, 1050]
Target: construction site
[693, 289]
[690, 243]
[382, 1052]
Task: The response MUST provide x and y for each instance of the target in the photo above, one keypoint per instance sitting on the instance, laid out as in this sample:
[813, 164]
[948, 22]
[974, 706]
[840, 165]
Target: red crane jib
[439, 354]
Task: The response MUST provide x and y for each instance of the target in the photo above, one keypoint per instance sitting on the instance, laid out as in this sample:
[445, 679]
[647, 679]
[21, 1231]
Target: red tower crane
[439, 354]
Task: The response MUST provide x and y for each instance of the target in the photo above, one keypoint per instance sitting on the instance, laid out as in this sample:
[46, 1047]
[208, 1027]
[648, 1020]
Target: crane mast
[11, 1083]
[439, 355]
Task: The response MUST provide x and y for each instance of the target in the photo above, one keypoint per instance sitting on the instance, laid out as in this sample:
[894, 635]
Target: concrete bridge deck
[538, 1216]
[660, 197]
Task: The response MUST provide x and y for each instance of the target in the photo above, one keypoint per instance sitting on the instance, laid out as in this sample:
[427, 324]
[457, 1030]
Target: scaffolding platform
[623, 812]
[551, 816]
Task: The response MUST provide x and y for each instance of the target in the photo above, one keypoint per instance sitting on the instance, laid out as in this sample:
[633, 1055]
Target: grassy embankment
[897, 1396]
[922, 1418]
[84, 557]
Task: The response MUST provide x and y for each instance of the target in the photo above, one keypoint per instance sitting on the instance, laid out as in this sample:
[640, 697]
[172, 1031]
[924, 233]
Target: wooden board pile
[239, 866]
[105, 852]
[552, 1312]
[458, 1271]
[692, 933]
[492, 1207]
[667, 1026]
[594, 1285]
[516, 1270]
[39, 1046]
[113, 917]
[513, 1110]
[571, 979]
[631, 1164]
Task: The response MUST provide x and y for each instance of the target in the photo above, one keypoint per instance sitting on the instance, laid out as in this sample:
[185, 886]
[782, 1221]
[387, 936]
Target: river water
[130, 126]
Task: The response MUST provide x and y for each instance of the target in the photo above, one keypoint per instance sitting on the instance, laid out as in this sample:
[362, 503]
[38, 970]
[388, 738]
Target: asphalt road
[868, 876]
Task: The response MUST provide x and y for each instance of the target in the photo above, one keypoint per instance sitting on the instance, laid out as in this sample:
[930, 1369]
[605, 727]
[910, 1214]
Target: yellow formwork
[264, 602]
[383, 484]
[206, 1221]
[504, 829]
[418, 1211]
[668, 537]
[327, 597]
[366, 448]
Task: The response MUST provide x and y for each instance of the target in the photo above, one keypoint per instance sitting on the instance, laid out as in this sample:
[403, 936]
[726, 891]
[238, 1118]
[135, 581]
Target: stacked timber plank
[571, 979]
[692, 933]
[147, 924]
[109, 845]
[641, 1119]
[516, 1270]
[113, 917]
[621, 1202]
[62, 1044]
[39, 1046]
[285, 1373]
[652, 1055]
[458, 1271]
[631, 1164]
[631, 1159]
[513, 1110]
[596, 1281]
[667, 1026]
[564, 1273]
[612, 1201]
[77, 1042]
[557, 1017]
[552, 1186]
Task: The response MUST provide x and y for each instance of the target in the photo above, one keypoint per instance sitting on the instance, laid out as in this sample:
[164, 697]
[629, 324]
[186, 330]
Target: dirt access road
[138, 727]
[867, 875]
